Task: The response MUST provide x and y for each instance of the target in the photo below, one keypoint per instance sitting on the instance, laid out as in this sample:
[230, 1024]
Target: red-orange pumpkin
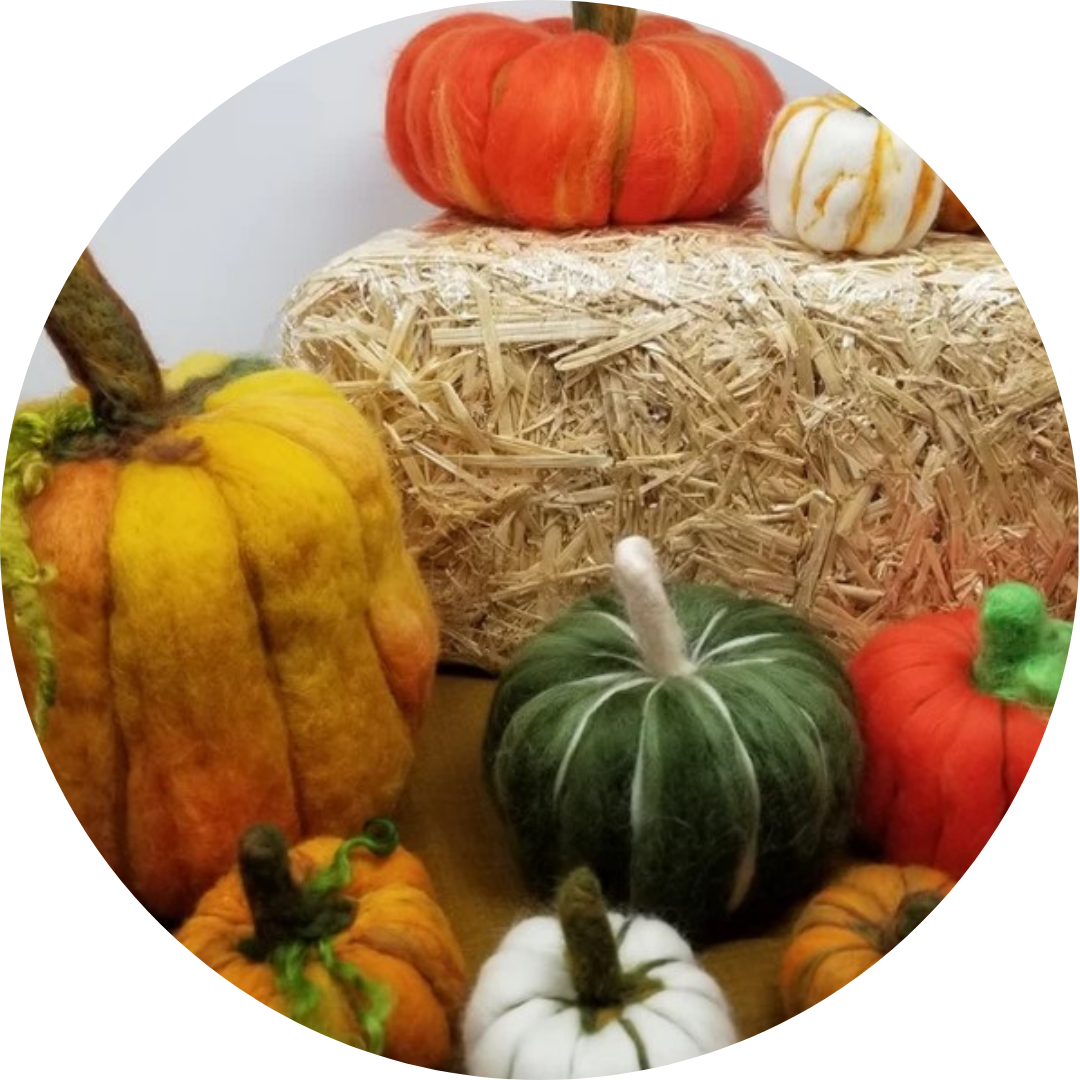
[952, 710]
[560, 124]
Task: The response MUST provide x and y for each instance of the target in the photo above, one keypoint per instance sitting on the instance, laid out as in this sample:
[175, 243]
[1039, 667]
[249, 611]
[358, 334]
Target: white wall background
[275, 182]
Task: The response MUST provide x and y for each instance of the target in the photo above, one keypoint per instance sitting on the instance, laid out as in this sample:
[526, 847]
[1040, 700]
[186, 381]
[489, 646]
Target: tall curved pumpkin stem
[103, 346]
[613, 21]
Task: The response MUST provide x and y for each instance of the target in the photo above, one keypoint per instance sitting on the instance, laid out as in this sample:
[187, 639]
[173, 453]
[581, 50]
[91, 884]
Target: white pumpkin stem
[659, 635]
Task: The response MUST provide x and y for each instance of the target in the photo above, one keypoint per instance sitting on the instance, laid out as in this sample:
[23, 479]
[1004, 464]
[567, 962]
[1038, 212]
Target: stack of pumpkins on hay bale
[767, 525]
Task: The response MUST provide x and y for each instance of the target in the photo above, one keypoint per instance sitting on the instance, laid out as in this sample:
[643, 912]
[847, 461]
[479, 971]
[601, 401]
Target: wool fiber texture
[239, 633]
[530, 123]
[710, 799]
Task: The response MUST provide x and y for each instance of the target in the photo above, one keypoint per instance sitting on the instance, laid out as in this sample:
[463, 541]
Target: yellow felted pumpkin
[213, 615]
[838, 180]
[851, 925]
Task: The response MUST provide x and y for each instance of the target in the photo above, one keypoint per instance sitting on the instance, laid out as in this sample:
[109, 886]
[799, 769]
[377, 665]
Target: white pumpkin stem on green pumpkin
[1022, 650]
[656, 627]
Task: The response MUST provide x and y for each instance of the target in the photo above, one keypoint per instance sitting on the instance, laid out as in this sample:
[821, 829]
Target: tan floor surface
[448, 819]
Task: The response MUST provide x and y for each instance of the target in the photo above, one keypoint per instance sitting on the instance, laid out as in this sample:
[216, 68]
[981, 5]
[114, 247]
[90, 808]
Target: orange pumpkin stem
[103, 347]
[614, 22]
[281, 910]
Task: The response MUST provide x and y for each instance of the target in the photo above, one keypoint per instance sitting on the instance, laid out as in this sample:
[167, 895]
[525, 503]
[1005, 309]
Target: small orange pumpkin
[851, 925]
[953, 215]
[344, 937]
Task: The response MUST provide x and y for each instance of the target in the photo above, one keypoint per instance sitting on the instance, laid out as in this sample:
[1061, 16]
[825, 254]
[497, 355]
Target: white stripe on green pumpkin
[697, 780]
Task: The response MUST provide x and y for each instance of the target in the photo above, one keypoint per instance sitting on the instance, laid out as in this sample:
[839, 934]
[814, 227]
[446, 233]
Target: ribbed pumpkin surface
[531, 123]
[397, 938]
[944, 761]
[852, 924]
[239, 633]
[696, 797]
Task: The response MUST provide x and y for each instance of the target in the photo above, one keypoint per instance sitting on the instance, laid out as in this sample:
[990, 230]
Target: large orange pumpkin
[560, 124]
[344, 937]
[952, 708]
[849, 926]
[213, 614]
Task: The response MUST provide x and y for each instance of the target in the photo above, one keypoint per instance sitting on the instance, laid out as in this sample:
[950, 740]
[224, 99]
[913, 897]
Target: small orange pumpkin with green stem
[344, 937]
[849, 926]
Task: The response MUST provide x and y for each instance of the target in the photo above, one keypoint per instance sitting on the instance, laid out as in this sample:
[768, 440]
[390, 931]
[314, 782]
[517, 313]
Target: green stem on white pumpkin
[616, 23]
[103, 347]
[1022, 650]
[592, 954]
[654, 622]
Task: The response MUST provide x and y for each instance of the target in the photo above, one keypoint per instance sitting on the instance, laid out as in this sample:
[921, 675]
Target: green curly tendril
[34, 434]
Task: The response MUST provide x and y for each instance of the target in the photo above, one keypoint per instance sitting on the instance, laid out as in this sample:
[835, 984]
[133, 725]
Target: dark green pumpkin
[710, 796]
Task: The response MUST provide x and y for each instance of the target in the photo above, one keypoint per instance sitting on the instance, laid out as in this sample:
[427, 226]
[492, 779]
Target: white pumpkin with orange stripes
[838, 180]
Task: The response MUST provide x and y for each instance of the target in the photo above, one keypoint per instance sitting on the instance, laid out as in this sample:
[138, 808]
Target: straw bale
[861, 438]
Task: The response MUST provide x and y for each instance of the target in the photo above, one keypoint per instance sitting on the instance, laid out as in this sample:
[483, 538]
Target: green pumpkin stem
[655, 624]
[592, 954]
[104, 349]
[1022, 650]
[616, 23]
[912, 911]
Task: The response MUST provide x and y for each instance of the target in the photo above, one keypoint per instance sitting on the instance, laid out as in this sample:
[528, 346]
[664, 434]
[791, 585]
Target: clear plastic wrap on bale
[861, 438]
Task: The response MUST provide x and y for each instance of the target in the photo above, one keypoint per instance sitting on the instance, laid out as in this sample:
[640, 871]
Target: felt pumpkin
[852, 924]
[213, 615]
[837, 179]
[953, 215]
[344, 937]
[560, 124]
[591, 993]
[952, 707]
[697, 749]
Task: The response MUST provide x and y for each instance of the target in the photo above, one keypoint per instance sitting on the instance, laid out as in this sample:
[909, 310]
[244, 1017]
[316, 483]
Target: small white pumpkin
[591, 993]
[837, 179]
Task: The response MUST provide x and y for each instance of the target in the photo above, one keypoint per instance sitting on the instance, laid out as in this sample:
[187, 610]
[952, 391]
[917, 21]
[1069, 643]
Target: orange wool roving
[578, 124]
